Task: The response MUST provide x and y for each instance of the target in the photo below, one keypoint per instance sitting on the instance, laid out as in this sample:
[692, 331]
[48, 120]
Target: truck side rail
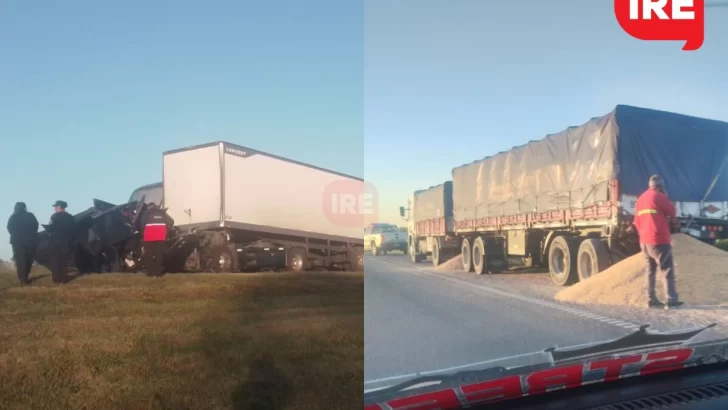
[434, 227]
[597, 214]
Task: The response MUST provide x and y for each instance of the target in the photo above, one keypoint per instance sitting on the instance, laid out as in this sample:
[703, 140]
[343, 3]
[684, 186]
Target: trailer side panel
[568, 170]
[265, 191]
[688, 152]
[432, 210]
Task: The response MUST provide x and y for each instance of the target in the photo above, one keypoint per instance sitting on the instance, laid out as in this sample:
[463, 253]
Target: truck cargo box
[432, 210]
[574, 168]
[225, 185]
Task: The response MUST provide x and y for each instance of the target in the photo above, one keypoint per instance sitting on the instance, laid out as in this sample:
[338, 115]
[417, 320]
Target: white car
[381, 238]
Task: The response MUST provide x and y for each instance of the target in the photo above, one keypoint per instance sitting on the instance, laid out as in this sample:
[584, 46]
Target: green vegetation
[202, 341]
[722, 244]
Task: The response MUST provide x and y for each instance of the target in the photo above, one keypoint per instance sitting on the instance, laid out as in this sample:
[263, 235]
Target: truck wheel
[375, 250]
[467, 255]
[480, 264]
[562, 261]
[356, 259]
[222, 259]
[297, 260]
[415, 256]
[435, 253]
[592, 258]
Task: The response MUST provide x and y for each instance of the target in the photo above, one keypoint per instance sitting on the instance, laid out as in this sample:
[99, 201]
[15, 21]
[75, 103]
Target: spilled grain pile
[452, 264]
[701, 271]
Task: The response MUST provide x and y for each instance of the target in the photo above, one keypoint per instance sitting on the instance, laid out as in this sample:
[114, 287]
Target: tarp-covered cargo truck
[567, 201]
[430, 224]
[256, 210]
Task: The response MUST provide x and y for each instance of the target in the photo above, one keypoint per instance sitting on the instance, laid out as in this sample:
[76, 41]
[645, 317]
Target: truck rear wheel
[435, 253]
[467, 254]
[592, 258]
[297, 260]
[562, 261]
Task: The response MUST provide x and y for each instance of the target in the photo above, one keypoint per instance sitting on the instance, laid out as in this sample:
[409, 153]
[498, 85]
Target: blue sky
[94, 91]
[450, 82]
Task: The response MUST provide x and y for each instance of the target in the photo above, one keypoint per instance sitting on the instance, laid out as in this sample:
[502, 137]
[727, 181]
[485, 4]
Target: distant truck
[567, 201]
[381, 238]
[430, 224]
[252, 210]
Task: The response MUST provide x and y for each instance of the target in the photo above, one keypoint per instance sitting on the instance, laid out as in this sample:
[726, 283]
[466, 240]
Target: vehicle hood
[636, 354]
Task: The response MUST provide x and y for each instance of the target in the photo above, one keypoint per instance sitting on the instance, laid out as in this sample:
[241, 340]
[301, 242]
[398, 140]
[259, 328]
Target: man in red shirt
[653, 214]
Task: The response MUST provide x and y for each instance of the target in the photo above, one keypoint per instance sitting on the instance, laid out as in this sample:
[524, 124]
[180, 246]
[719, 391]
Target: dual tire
[571, 259]
[484, 255]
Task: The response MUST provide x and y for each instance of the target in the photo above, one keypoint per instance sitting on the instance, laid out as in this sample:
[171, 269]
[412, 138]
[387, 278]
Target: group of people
[23, 229]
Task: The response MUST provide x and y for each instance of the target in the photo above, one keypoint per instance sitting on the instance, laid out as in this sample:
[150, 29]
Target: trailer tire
[562, 261]
[592, 258]
[222, 259]
[356, 259]
[436, 256]
[297, 260]
[480, 264]
[467, 255]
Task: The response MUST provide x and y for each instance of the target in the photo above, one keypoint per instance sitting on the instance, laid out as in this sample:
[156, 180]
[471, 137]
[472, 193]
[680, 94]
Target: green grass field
[186, 341]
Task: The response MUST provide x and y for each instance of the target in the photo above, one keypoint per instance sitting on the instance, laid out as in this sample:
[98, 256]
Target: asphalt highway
[418, 321]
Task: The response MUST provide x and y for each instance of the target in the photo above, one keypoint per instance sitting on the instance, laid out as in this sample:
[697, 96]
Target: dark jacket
[61, 228]
[652, 211]
[23, 227]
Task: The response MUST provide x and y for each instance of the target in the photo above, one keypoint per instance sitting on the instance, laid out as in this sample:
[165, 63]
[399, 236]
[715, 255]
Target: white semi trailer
[254, 210]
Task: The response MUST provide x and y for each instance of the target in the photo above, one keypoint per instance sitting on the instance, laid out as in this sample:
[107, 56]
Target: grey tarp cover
[434, 202]
[572, 169]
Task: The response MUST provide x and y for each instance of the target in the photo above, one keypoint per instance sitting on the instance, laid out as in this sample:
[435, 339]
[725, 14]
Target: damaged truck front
[108, 240]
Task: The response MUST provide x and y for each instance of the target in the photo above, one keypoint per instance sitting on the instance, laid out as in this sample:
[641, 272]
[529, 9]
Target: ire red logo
[663, 20]
[350, 203]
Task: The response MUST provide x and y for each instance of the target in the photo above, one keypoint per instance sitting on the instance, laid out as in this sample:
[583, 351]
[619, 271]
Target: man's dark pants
[59, 253]
[154, 257]
[23, 255]
[660, 256]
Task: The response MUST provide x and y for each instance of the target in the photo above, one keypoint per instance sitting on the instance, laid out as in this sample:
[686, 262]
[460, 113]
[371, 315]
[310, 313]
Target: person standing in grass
[653, 213]
[23, 230]
[156, 225]
[62, 234]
